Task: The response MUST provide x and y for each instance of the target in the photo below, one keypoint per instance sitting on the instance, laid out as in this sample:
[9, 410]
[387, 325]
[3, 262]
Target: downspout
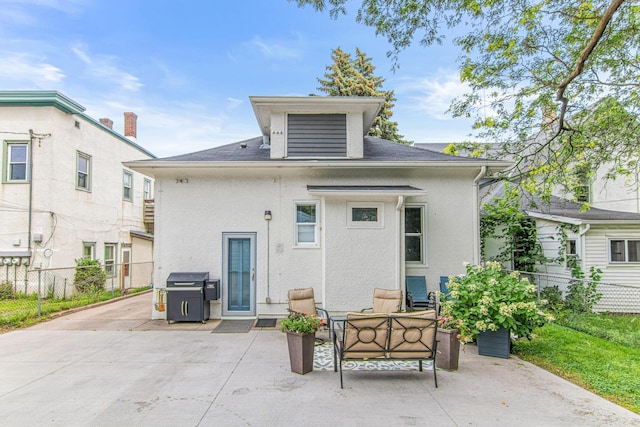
[399, 240]
[30, 148]
[476, 219]
[583, 245]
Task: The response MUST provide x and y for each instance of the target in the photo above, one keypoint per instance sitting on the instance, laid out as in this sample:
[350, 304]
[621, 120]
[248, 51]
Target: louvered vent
[317, 135]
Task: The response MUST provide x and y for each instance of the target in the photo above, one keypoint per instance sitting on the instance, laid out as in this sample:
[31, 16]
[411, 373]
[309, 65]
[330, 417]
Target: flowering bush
[300, 323]
[487, 298]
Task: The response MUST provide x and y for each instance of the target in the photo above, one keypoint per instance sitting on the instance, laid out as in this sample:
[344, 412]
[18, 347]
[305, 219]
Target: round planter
[301, 348]
[448, 351]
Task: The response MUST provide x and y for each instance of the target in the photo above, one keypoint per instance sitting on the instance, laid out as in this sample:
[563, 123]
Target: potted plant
[490, 305]
[448, 343]
[301, 333]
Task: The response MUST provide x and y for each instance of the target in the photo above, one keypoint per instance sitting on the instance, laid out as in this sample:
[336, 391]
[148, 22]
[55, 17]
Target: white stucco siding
[348, 262]
[67, 217]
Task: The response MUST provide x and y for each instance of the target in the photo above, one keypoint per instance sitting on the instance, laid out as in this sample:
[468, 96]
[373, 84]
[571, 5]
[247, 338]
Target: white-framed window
[624, 250]
[415, 234]
[127, 185]
[571, 250]
[365, 214]
[148, 194]
[89, 250]
[110, 259]
[306, 226]
[83, 175]
[16, 167]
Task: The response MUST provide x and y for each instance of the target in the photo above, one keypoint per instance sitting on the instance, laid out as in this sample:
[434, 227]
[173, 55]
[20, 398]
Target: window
[365, 214]
[127, 185]
[306, 224]
[110, 259]
[17, 166]
[624, 250]
[582, 191]
[89, 250]
[414, 239]
[147, 189]
[83, 166]
[571, 252]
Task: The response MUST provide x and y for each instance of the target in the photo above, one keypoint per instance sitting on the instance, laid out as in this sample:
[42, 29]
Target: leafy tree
[349, 76]
[561, 78]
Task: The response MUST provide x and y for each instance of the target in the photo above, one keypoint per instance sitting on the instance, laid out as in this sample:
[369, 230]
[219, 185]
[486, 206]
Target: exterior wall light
[267, 215]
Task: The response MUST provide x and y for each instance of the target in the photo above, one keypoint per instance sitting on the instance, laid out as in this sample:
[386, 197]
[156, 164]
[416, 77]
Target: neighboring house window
[83, 165]
[571, 251]
[363, 214]
[624, 250]
[582, 191]
[414, 234]
[307, 224]
[110, 259]
[89, 250]
[17, 165]
[127, 185]
[147, 189]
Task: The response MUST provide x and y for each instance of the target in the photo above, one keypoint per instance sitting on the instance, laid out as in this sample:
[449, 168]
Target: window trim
[6, 164]
[110, 263]
[87, 157]
[296, 224]
[626, 241]
[92, 247]
[126, 173]
[423, 234]
[147, 192]
[378, 223]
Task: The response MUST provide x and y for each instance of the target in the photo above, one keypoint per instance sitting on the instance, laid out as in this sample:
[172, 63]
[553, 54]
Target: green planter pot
[448, 349]
[494, 343]
[301, 348]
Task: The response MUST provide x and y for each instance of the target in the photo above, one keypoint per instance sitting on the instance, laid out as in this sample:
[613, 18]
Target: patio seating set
[382, 332]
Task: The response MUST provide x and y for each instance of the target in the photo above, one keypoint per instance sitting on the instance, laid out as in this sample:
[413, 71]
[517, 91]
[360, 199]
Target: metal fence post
[39, 286]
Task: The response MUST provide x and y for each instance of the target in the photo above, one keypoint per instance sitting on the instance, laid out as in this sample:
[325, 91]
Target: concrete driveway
[112, 366]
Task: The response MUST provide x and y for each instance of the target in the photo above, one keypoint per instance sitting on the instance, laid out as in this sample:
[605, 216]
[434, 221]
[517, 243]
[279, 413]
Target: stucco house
[313, 202]
[64, 192]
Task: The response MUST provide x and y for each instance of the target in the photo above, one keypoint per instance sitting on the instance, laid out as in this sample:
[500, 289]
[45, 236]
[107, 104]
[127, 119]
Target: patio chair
[303, 301]
[444, 290]
[385, 301]
[417, 296]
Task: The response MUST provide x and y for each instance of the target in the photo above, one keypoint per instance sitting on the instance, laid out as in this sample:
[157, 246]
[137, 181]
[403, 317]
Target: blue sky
[187, 68]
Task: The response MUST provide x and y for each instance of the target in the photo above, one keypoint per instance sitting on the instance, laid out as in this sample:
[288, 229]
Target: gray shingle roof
[375, 149]
[568, 209]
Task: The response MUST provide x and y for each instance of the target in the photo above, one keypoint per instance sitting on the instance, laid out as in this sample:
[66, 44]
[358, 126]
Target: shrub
[89, 276]
[553, 296]
[6, 290]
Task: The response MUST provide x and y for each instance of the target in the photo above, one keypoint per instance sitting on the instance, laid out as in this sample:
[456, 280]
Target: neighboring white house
[64, 192]
[313, 202]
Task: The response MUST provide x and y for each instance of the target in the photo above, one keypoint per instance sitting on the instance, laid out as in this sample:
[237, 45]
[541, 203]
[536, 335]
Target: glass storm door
[239, 274]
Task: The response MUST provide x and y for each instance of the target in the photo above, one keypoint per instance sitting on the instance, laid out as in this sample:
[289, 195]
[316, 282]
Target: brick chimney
[130, 126]
[107, 122]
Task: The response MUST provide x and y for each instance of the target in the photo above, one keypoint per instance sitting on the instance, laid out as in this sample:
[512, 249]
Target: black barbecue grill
[188, 296]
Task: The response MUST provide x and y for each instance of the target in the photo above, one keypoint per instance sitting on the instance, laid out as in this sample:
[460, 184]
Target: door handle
[182, 308]
[186, 308]
[253, 274]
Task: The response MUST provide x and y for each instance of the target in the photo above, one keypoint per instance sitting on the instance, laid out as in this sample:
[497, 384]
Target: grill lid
[187, 278]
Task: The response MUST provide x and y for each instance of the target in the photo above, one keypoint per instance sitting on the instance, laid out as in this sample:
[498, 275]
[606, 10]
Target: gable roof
[563, 210]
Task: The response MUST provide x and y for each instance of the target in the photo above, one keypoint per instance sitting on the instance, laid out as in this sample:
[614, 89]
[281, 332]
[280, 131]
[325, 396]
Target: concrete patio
[112, 366]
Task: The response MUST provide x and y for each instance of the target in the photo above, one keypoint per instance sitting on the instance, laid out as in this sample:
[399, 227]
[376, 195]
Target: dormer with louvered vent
[315, 127]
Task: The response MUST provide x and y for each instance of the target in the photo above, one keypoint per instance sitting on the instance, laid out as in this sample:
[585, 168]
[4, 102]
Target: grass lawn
[596, 360]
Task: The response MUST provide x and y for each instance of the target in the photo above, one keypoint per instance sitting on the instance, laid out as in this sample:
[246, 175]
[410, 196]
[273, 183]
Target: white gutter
[476, 216]
[583, 245]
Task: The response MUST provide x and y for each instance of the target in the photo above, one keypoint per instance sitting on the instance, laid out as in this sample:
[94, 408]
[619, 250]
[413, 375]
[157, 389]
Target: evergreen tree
[349, 76]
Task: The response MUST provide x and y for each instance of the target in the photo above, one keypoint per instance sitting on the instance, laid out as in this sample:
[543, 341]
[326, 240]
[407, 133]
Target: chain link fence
[620, 299]
[26, 292]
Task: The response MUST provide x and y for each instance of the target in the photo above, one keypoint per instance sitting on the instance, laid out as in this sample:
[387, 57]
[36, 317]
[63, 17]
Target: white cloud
[273, 49]
[233, 103]
[434, 94]
[26, 68]
[102, 67]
